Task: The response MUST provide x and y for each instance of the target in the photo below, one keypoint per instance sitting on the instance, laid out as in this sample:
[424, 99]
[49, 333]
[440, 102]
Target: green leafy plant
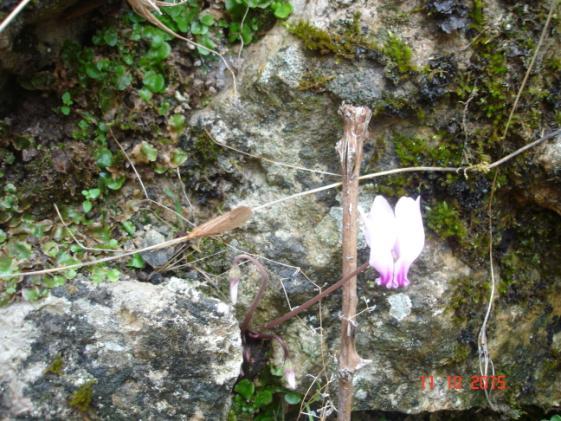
[247, 17]
[137, 262]
[90, 195]
[67, 103]
[126, 60]
[446, 221]
[398, 53]
[553, 418]
[263, 398]
[102, 273]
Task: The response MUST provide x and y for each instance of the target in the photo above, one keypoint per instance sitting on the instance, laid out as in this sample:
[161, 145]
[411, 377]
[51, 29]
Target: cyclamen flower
[290, 375]
[234, 283]
[395, 239]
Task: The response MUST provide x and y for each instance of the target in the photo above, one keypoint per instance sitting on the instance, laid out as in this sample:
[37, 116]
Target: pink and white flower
[395, 238]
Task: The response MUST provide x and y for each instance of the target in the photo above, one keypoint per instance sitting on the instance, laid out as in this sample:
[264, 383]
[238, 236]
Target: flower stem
[280, 320]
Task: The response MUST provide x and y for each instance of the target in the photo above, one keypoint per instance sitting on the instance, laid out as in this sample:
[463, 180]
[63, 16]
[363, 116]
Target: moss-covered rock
[441, 102]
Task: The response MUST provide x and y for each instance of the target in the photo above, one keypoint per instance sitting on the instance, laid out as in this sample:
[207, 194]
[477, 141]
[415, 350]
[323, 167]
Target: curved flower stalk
[234, 283]
[396, 238]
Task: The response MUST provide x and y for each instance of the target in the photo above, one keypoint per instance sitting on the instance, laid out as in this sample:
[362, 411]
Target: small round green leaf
[197, 28]
[178, 157]
[154, 81]
[177, 122]
[145, 94]
[129, 227]
[87, 206]
[245, 388]
[263, 397]
[104, 158]
[149, 151]
[282, 9]
[207, 20]
[136, 262]
[292, 398]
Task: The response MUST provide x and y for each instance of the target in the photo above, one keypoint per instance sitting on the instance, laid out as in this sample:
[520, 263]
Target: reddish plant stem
[244, 325]
[303, 307]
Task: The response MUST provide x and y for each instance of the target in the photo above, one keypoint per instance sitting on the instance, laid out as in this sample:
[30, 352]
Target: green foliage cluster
[493, 76]
[125, 61]
[398, 53]
[415, 150]
[477, 15]
[343, 43]
[350, 41]
[314, 82]
[263, 399]
[56, 367]
[114, 63]
[248, 17]
[81, 398]
[469, 295]
[446, 221]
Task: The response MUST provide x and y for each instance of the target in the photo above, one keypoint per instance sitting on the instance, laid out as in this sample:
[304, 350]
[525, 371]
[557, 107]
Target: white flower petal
[380, 231]
[381, 224]
[234, 283]
[410, 236]
[290, 376]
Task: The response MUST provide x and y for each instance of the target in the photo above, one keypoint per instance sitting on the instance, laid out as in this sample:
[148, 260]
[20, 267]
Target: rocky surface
[440, 80]
[34, 38]
[431, 328]
[545, 189]
[119, 351]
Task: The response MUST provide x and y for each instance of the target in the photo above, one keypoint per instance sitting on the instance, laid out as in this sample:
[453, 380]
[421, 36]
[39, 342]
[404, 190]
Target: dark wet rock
[451, 15]
[159, 257]
[434, 83]
[144, 351]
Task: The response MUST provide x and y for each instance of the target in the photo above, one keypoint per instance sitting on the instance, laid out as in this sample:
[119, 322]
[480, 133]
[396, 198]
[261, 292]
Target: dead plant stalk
[349, 148]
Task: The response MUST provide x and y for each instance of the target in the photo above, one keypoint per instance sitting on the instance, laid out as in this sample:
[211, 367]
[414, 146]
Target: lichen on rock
[128, 349]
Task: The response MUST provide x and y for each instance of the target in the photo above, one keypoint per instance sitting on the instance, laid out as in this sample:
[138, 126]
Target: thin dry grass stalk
[13, 14]
[219, 225]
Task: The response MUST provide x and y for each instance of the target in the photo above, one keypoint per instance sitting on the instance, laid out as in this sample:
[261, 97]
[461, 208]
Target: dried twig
[261, 158]
[184, 191]
[246, 322]
[303, 307]
[355, 120]
[241, 33]
[485, 360]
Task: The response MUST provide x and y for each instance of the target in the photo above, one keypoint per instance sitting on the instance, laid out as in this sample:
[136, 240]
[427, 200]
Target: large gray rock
[127, 350]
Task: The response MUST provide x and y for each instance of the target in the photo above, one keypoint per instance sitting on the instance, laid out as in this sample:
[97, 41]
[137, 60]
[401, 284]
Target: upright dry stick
[356, 121]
